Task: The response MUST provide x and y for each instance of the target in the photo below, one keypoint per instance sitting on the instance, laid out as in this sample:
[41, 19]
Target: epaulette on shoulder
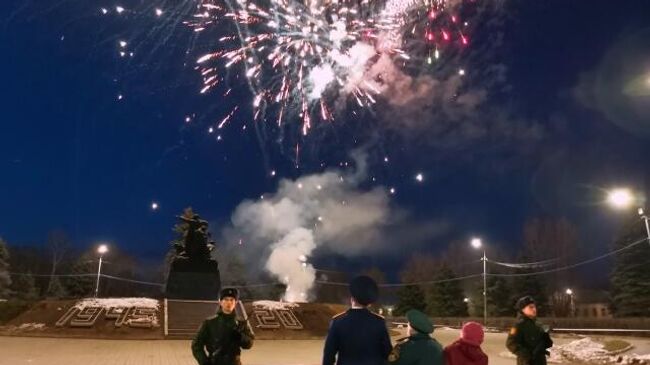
[339, 315]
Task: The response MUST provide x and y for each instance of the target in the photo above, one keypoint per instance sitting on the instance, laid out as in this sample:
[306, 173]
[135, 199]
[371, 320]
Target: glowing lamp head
[620, 198]
[476, 243]
[102, 249]
[569, 292]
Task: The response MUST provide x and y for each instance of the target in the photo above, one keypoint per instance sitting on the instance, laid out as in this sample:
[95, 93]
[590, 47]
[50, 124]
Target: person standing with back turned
[418, 348]
[467, 349]
[358, 336]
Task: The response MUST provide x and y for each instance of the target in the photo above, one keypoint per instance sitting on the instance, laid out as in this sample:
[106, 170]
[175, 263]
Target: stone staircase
[184, 317]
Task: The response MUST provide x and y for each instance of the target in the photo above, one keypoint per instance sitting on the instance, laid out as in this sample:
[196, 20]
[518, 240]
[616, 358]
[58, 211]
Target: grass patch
[11, 309]
[616, 345]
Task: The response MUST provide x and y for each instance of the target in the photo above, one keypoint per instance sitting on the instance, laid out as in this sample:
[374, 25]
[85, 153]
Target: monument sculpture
[193, 273]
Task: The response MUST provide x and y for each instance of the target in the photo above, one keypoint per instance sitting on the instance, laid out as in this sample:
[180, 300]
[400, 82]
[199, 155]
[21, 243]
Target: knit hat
[472, 333]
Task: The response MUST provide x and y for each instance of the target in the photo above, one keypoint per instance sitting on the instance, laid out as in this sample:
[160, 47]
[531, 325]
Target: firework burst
[305, 60]
[296, 57]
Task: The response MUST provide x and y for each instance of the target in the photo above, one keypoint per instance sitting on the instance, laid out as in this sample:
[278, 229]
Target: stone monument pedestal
[193, 273]
[193, 279]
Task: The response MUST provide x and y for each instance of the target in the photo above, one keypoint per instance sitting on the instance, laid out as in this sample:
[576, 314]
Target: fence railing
[558, 324]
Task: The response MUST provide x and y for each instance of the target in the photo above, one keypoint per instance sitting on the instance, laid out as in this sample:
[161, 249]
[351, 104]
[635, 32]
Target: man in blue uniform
[358, 336]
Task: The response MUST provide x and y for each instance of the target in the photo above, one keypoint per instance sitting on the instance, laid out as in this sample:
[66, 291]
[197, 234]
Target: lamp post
[477, 244]
[102, 249]
[622, 198]
[569, 292]
[645, 220]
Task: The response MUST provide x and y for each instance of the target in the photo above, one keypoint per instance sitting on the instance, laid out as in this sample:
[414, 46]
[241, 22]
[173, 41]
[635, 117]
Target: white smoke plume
[327, 211]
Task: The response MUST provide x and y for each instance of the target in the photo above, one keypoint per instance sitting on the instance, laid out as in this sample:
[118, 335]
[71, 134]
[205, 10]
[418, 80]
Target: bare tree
[58, 246]
[419, 268]
[546, 238]
[376, 274]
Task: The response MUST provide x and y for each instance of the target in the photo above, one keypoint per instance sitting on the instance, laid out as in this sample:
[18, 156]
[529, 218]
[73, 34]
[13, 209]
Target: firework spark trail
[301, 57]
[311, 49]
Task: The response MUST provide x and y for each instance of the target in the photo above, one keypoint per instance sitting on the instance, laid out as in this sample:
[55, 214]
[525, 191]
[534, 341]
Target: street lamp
[101, 250]
[477, 244]
[569, 292]
[622, 198]
[645, 220]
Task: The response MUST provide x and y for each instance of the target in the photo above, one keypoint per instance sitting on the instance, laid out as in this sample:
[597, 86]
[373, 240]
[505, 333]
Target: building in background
[593, 304]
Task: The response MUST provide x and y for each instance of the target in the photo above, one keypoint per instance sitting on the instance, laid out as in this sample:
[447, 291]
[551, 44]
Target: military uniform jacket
[223, 337]
[528, 341]
[357, 337]
[418, 349]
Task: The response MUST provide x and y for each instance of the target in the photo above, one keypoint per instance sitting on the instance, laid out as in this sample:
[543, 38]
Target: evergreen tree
[532, 285]
[5, 279]
[81, 286]
[235, 274]
[409, 297]
[446, 298]
[24, 287]
[499, 297]
[630, 277]
[55, 289]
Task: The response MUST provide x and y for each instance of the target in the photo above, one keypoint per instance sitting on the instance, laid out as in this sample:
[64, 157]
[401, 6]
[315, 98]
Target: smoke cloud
[326, 212]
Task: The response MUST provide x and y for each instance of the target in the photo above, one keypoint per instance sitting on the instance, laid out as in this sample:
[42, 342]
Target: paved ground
[57, 351]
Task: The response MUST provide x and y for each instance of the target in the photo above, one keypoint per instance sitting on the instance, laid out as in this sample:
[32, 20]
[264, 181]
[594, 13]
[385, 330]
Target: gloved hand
[241, 326]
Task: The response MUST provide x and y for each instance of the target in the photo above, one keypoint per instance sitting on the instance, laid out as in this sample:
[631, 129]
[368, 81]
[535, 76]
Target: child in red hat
[467, 349]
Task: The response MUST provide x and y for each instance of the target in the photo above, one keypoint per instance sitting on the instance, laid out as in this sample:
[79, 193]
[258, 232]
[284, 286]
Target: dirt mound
[142, 318]
[302, 321]
[65, 318]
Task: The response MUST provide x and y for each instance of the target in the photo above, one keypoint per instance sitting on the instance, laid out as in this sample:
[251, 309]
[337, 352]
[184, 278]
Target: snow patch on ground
[587, 350]
[446, 329]
[584, 349]
[118, 302]
[273, 305]
[31, 326]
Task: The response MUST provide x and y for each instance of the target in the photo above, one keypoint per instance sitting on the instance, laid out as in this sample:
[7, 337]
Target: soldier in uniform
[528, 340]
[418, 348]
[223, 336]
[358, 336]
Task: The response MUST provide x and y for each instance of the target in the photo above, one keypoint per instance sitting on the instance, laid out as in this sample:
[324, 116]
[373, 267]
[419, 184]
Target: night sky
[73, 156]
